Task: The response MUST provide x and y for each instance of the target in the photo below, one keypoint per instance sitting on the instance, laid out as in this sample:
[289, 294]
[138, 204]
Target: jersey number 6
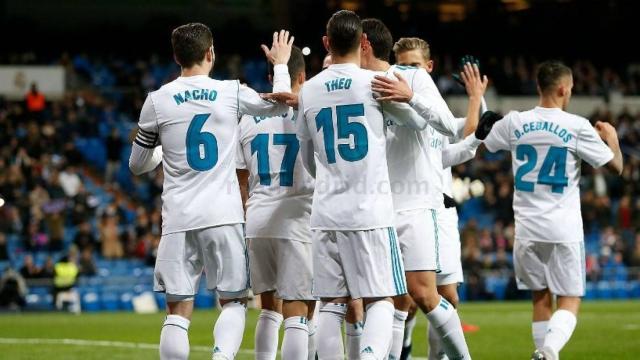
[202, 147]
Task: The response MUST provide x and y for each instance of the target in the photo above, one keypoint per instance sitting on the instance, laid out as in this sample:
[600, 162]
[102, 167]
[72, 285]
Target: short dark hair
[380, 38]
[190, 43]
[295, 64]
[344, 30]
[549, 73]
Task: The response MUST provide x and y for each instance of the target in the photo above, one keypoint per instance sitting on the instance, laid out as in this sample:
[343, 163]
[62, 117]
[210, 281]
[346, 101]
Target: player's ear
[364, 42]
[429, 66]
[176, 60]
[325, 42]
[302, 77]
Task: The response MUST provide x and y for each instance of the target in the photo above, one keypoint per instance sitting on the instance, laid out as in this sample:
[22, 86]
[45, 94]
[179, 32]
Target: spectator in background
[48, 268]
[13, 290]
[29, 269]
[70, 181]
[35, 101]
[111, 246]
[84, 238]
[4, 254]
[114, 150]
[64, 282]
[87, 265]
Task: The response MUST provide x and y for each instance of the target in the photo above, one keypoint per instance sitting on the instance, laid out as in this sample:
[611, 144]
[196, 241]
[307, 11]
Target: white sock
[353, 334]
[559, 330]
[174, 338]
[539, 331]
[329, 333]
[311, 324]
[295, 344]
[378, 330]
[228, 331]
[436, 352]
[266, 341]
[399, 318]
[409, 325]
[446, 322]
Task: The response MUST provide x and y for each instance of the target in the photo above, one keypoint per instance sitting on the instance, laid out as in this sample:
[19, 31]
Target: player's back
[280, 188]
[547, 146]
[197, 120]
[346, 126]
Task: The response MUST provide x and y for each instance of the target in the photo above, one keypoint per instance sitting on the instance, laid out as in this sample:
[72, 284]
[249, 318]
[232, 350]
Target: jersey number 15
[324, 122]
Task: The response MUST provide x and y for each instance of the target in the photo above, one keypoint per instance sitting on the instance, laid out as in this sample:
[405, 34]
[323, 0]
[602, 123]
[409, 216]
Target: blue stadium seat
[590, 291]
[109, 301]
[204, 300]
[604, 290]
[90, 301]
[39, 302]
[126, 301]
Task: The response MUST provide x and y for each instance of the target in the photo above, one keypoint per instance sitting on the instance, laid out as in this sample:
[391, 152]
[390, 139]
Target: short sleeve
[499, 137]
[147, 136]
[591, 148]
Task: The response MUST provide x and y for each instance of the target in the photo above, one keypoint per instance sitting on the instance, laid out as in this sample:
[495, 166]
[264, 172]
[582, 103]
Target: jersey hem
[548, 241]
[202, 227]
[353, 229]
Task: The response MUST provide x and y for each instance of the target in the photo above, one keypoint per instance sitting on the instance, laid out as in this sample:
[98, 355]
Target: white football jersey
[195, 121]
[415, 157]
[281, 189]
[345, 124]
[547, 145]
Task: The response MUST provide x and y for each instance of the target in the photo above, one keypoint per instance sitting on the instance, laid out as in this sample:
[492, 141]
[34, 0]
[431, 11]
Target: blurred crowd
[68, 193]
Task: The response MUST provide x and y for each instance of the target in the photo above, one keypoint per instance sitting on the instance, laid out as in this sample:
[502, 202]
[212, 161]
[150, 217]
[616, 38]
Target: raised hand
[606, 131]
[475, 84]
[280, 50]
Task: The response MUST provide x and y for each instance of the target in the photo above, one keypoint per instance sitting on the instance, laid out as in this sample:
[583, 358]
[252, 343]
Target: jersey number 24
[555, 161]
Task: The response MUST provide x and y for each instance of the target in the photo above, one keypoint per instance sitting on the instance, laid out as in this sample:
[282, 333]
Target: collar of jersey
[343, 66]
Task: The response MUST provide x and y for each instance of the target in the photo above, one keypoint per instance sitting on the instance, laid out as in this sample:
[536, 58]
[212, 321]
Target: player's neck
[353, 58]
[378, 65]
[195, 70]
[550, 102]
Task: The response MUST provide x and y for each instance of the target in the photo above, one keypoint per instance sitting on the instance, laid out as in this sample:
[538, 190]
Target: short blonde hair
[412, 43]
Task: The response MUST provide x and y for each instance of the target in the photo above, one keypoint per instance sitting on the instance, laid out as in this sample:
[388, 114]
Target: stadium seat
[126, 301]
[204, 300]
[109, 301]
[90, 301]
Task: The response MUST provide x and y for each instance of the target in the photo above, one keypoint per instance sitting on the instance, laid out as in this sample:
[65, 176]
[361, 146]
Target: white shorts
[557, 266]
[282, 265]
[419, 239]
[360, 264]
[219, 251]
[449, 236]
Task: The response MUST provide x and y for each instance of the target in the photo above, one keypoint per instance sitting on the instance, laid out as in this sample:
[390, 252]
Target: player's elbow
[136, 168]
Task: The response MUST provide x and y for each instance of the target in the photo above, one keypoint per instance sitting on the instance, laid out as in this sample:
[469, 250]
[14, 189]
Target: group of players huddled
[346, 184]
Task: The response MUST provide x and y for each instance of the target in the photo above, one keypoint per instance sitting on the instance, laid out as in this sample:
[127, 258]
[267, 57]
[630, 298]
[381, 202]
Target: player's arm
[463, 151]
[499, 135]
[242, 169]
[145, 152]
[278, 55]
[307, 152]
[422, 96]
[475, 85]
[609, 135]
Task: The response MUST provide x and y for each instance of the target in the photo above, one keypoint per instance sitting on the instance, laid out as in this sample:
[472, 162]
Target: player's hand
[283, 98]
[392, 90]
[485, 124]
[467, 59]
[474, 83]
[280, 51]
[606, 131]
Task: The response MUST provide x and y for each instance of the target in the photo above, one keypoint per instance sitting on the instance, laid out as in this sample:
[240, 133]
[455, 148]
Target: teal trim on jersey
[401, 286]
[393, 262]
[394, 266]
[434, 216]
[246, 264]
